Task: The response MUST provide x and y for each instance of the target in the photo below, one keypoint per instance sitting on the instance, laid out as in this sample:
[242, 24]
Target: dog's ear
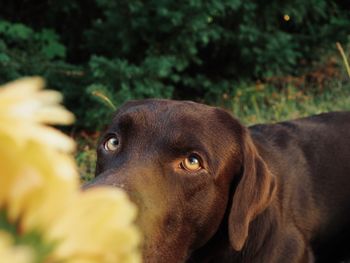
[252, 195]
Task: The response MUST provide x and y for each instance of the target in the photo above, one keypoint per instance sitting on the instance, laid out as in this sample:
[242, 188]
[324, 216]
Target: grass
[262, 104]
[86, 155]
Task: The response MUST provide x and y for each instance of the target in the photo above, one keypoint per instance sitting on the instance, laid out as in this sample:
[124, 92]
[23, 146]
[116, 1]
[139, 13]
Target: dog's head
[178, 161]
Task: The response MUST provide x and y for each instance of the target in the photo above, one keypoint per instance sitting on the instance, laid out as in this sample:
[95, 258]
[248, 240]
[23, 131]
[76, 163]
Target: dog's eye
[112, 144]
[191, 163]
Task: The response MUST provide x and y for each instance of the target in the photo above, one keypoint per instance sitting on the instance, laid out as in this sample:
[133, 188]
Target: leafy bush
[25, 52]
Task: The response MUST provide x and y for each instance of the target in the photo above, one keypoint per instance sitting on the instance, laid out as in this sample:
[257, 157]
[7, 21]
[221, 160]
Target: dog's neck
[218, 249]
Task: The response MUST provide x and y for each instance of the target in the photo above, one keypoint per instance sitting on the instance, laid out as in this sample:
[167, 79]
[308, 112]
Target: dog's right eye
[192, 163]
[112, 144]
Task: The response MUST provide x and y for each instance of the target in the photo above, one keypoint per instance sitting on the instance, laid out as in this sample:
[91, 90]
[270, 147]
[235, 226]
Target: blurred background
[262, 60]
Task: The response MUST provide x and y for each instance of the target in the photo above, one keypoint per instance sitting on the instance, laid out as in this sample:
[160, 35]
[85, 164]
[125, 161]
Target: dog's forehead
[160, 112]
[154, 105]
[175, 122]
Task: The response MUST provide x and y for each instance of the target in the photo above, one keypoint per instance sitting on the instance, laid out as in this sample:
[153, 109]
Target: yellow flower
[36, 174]
[10, 253]
[97, 227]
[39, 187]
[24, 108]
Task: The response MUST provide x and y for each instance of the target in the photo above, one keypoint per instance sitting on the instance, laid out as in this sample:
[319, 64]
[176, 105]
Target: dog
[209, 189]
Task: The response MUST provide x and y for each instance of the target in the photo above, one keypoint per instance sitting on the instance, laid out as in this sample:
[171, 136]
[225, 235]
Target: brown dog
[211, 190]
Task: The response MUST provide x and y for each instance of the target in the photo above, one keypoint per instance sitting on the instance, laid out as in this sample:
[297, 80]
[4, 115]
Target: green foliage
[26, 52]
[195, 50]
[86, 156]
[86, 160]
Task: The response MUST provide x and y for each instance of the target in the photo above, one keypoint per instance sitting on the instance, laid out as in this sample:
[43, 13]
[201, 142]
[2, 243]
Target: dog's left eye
[192, 163]
[112, 144]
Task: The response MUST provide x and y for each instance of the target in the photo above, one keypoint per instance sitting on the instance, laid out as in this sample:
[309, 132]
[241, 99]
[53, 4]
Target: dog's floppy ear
[252, 195]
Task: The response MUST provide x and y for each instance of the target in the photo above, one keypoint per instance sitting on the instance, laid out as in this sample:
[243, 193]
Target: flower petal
[108, 235]
[12, 253]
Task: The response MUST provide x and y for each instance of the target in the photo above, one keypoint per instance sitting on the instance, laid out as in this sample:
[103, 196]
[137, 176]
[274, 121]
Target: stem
[105, 99]
[342, 53]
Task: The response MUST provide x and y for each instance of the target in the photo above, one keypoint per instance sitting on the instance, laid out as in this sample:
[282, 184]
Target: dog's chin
[154, 255]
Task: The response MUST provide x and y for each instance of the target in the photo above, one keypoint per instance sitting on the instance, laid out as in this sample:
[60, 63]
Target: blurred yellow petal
[10, 253]
[19, 193]
[49, 97]
[53, 115]
[37, 178]
[51, 137]
[99, 226]
[8, 166]
[21, 88]
[25, 108]
[51, 180]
